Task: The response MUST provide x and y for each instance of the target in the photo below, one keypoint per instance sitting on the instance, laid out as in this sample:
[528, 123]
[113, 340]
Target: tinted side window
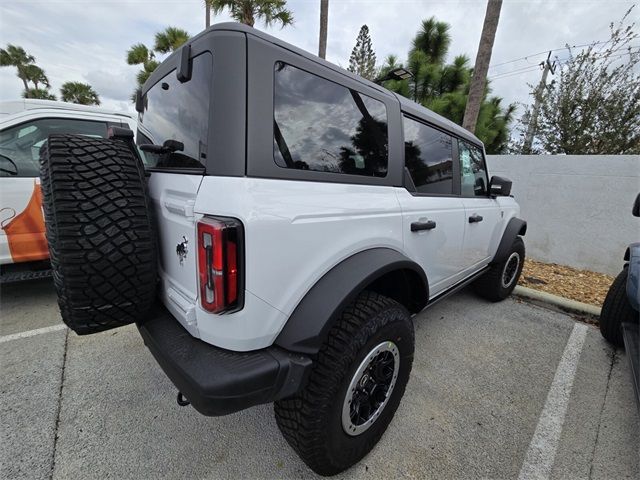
[428, 157]
[473, 174]
[20, 145]
[323, 126]
[179, 111]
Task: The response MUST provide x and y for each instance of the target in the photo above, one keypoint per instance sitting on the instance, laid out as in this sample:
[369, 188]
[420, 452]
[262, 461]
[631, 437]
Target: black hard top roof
[406, 104]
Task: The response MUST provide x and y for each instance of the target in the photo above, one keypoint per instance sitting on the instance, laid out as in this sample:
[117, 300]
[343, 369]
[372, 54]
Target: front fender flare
[515, 227]
[309, 324]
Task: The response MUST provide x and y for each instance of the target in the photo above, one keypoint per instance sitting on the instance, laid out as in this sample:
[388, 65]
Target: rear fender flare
[309, 324]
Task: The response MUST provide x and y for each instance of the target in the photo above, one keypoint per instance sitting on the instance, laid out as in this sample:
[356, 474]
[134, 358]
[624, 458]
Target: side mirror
[139, 101]
[499, 186]
[636, 207]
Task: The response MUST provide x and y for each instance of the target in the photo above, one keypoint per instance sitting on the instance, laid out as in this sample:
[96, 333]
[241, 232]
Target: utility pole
[533, 121]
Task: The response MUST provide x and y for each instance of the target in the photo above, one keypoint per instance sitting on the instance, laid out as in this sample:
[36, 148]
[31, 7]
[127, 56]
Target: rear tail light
[219, 264]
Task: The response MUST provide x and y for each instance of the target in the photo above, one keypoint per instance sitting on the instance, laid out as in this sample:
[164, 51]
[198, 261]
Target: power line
[526, 57]
[530, 68]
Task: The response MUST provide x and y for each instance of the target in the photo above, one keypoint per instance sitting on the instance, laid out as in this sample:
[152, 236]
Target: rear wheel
[99, 231]
[355, 386]
[616, 309]
[498, 283]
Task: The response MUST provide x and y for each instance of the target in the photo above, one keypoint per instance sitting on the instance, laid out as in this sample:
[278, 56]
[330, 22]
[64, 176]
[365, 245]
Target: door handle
[475, 218]
[418, 226]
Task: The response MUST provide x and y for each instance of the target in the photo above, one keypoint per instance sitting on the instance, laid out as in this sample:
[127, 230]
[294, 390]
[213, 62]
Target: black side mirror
[499, 186]
[139, 101]
[636, 207]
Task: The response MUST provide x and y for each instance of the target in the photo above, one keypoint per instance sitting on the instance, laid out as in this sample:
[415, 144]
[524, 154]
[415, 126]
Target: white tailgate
[174, 197]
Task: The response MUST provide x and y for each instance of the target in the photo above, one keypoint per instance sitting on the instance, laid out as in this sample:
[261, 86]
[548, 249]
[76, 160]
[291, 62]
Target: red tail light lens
[219, 261]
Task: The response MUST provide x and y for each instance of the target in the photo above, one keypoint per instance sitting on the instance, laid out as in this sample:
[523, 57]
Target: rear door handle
[475, 218]
[428, 225]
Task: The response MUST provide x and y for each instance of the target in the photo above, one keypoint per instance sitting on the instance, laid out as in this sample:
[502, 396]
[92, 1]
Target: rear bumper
[217, 381]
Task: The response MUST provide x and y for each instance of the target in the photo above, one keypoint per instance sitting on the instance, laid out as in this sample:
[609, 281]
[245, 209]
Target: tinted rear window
[178, 111]
[323, 126]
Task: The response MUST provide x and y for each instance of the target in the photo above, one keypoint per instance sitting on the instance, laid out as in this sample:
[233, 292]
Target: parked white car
[24, 126]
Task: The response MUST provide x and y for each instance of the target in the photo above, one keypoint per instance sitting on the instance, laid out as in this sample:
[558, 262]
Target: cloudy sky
[86, 40]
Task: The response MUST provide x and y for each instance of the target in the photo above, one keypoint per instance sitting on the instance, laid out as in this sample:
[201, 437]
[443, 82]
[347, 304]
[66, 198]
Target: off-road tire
[490, 286]
[311, 421]
[100, 232]
[616, 309]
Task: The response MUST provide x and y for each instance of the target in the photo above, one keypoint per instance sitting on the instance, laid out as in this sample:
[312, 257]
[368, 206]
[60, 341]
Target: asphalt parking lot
[497, 391]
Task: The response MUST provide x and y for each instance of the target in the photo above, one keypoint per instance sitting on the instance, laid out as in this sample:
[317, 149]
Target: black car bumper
[218, 381]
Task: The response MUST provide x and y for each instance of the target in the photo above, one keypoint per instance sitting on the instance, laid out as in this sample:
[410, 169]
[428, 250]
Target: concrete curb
[555, 302]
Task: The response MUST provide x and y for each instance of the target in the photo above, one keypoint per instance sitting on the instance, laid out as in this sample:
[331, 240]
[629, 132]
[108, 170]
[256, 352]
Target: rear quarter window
[323, 126]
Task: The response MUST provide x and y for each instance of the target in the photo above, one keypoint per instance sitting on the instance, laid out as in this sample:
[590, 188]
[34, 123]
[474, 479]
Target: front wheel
[355, 386]
[498, 283]
[616, 309]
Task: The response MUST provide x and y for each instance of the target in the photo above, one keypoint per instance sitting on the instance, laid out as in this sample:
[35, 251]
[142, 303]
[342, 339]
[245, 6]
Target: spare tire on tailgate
[100, 231]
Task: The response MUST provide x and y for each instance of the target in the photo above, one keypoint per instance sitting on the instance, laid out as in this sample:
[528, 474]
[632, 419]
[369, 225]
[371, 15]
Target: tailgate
[174, 196]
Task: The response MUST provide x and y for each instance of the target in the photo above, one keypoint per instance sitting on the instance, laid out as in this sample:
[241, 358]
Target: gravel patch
[580, 285]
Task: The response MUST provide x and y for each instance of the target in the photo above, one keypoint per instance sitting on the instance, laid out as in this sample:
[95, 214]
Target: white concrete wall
[578, 207]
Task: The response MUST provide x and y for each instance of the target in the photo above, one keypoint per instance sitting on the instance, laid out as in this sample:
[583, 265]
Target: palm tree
[77, 92]
[248, 11]
[170, 39]
[39, 93]
[36, 75]
[166, 41]
[139, 54]
[324, 20]
[14, 56]
[207, 14]
[479, 78]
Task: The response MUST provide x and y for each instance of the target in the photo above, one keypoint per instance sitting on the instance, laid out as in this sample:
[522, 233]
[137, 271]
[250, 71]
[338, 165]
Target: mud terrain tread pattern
[616, 309]
[489, 285]
[298, 417]
[99, 230]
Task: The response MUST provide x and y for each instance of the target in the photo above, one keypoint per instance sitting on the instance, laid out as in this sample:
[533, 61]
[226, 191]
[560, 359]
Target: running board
[630, 334]
[456, 287]
[21, 276]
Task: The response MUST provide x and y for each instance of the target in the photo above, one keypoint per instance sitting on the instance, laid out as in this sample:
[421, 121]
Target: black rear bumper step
[218, 381]
[631, 336]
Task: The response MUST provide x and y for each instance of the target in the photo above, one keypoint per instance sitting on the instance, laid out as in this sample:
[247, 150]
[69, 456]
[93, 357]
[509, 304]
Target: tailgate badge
[182, 249]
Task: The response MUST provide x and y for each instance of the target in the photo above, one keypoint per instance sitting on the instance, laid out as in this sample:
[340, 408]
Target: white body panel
[296, 231]
[16, 192]
[438, 251]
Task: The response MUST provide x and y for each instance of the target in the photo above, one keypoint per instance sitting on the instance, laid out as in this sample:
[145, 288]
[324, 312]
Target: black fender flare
[309, 324]
[515, 227]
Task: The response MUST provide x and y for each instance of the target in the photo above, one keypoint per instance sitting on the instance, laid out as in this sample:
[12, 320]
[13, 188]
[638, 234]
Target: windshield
[20, 144]
[178, 111]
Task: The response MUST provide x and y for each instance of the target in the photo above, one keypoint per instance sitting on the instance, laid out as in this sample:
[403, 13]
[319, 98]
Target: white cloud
[86, 40]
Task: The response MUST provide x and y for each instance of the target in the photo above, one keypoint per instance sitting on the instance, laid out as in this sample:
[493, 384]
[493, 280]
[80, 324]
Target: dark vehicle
[620, 312]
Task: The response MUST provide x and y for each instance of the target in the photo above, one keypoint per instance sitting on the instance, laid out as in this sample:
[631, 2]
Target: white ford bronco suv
[287, 222]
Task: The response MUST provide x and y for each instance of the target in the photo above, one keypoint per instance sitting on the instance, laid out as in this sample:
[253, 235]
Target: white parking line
[544, 444]
[31, 333]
